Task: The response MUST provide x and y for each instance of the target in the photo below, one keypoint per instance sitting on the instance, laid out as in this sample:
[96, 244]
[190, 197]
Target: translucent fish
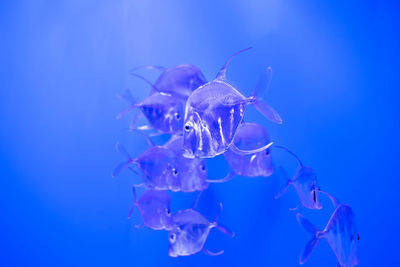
[214, 111]
[180, 80]
[305, 183]
[163, 112]
[250, 136]
[155, 209]
[158, 165]
[340, 232]
[190, 233]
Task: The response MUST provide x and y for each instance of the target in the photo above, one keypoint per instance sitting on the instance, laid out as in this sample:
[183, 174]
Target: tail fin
[238, 151]
[222, 72]
[127, 96]
[291, 153]
[314, 241]
[265, 109]
[123, 165]
[334, 200]
[227, 178]
[134, 202]
[220, 227]
[281, 172]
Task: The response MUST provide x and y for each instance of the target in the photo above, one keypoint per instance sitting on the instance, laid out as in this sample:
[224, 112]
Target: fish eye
[175, 171]
[168, 210]
[267, 152]
[177, 116]
[203, 167]
[358, 237]
[188, 127]
[172, 237]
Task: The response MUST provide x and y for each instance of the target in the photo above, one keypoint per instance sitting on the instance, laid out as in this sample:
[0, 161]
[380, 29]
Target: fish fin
[267, 111]
[128, 97]
[291, 153]
[238, 151]
[314, 241]
[220, 227]
[134, 203]
[120, 167]
[207, 252]
[148, 67]
[149, 83]
[228, 177]
[338, 265]
[149, 142]
[263, 82]
[141, 225]
[284, 189]
[222, 72]
[308, 249]
[140, 128]
[295, 208]
[196, 201]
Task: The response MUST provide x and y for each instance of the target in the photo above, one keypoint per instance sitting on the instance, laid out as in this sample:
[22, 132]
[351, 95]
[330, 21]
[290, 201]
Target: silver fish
[215, 110]
[190, 233]
[305, 183]
[340, 232]
[250, 136]
[155, 209]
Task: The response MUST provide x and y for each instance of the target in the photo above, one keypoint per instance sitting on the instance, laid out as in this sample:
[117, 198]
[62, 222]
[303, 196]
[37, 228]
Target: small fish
[180, 80]
[214, 111]
[163, 112]
[340, 232]
[250, 136]
[164, 167]
[190, 233]
[155, 209]
[158, 165]
[305, 184]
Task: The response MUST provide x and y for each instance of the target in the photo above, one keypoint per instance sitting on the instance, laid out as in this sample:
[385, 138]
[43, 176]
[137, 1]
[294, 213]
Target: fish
[179, 81]
[190, 233]
[340, 233]
[165, 168]
[250, 136]
[155, 209]
[305, 183]
[158, 166]
[163, 108]
[163, 112]
[214, 111]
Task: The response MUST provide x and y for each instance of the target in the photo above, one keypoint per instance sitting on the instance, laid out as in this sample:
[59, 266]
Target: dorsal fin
[148, 82]
[222, 72]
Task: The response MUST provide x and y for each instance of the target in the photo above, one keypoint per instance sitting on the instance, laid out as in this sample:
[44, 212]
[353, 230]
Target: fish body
[189, 234]
[192, 172]
[340, 232]
[180, 80]
[213, 113]
[305, 183]
[155, 209]
[250, 136]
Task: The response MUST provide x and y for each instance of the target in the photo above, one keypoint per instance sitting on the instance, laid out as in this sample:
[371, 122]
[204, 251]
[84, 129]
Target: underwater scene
[193, 133]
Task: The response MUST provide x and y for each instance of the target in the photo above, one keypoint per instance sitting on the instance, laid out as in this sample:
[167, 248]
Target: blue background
[335, 83]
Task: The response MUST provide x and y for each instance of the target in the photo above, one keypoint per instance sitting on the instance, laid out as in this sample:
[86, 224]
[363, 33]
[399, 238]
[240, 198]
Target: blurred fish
[163, 112]
[340, 232]
[250, 136]
[180, 80]
[164, 167]
[190, 233]
[155, 209]
[158, 165]
[214, 111]
[305, 183]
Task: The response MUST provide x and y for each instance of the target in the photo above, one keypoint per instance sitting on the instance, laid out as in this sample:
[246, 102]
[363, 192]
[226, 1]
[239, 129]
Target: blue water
[335, 83]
